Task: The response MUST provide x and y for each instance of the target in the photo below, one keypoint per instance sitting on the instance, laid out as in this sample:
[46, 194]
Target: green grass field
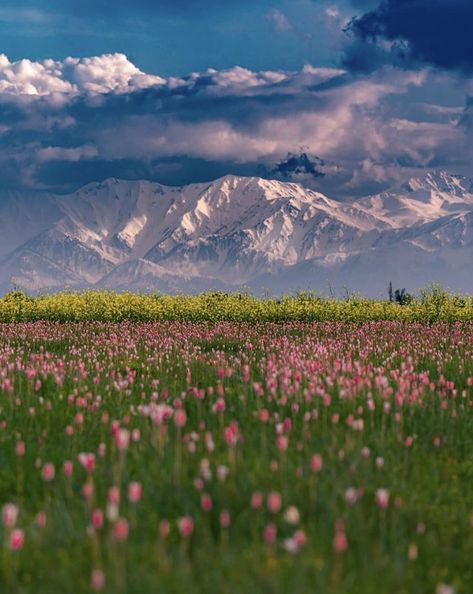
[184, 457]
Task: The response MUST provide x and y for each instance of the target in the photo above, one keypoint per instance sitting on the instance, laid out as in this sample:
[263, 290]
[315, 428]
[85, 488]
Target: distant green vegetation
[430, 305]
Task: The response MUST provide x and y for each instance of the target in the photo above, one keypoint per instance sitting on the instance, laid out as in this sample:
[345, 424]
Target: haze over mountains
[237, 231]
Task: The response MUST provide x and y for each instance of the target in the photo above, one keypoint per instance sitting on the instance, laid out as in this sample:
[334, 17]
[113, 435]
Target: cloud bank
[66, 123]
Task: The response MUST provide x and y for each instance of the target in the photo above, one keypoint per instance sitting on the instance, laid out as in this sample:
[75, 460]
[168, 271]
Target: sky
[346, 96]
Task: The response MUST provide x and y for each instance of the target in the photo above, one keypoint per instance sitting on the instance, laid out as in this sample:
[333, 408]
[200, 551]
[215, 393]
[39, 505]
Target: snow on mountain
[421, 200]
[238, 231]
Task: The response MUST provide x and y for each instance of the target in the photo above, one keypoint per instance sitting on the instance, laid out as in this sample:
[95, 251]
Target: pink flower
[231, 434]
[20, 448]
[351, 496]
[224, 518]
[300, 538]
[282, 443]
[293, 545]
[48, 472]
[340, 542]
[180, 418]
[199, 484]
[67, 468]
[97, 580]
[9, 515]
[134, 492]
[87, 490]
[97, 519]
[316, 463]
[219, 405]
[264, 415]
[185, 526]
[41, 519]
[87, 460]
[421, 528]
[274, 502]
[17, 539]
[164, 529]
[113, 495]
[256, 500]
[270, 533]
[206, 502]
[412, 551]
[120, 530]
[382, 498]
[122, 439]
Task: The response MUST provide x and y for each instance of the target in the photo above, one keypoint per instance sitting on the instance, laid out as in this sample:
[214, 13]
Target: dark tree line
[399, 296]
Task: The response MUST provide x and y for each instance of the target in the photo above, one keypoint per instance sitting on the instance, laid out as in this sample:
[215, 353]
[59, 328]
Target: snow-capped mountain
[238, 231]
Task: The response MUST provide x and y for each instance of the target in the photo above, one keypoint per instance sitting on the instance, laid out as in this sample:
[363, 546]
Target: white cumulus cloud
[100, 74]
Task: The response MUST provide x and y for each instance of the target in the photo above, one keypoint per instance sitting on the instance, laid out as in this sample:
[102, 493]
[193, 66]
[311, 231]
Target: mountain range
[238, 232]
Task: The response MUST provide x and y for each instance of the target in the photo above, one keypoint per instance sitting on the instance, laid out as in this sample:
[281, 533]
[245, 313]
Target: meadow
[236, 457]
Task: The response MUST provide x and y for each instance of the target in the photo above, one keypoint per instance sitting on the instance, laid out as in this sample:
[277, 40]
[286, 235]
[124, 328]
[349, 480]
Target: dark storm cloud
[434, 32]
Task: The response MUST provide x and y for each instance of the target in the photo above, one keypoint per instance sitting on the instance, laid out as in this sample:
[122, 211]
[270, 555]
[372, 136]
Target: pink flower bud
[206, 502]
[274, 502]
[180, 418]
[87, 461]
[87, 490]
[340, 542]
[114, 495]
[351, 496]
[316, 463]
[97, 580]
[186, 526]
[300, 538]
[67, 468]
[164, 529]
[134, 492]
[256, 500]
[48, 472]
[382, 498]
[97, 519]
[122, 439]
[219, 405]
[9, 515]
[120, 530]
[270, 533]
[41, 520]
[264, 415]
[20, 449]
[17, 539]
[225, 519]
[282, 443]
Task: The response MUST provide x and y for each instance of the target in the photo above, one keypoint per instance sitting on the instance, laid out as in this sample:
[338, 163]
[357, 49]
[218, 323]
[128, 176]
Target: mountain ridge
[237, 231]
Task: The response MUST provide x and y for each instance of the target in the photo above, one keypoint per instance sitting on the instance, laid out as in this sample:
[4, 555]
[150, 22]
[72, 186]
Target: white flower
[292, 515]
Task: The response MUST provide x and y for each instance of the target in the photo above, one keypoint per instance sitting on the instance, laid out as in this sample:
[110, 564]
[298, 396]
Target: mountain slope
[238, 231]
